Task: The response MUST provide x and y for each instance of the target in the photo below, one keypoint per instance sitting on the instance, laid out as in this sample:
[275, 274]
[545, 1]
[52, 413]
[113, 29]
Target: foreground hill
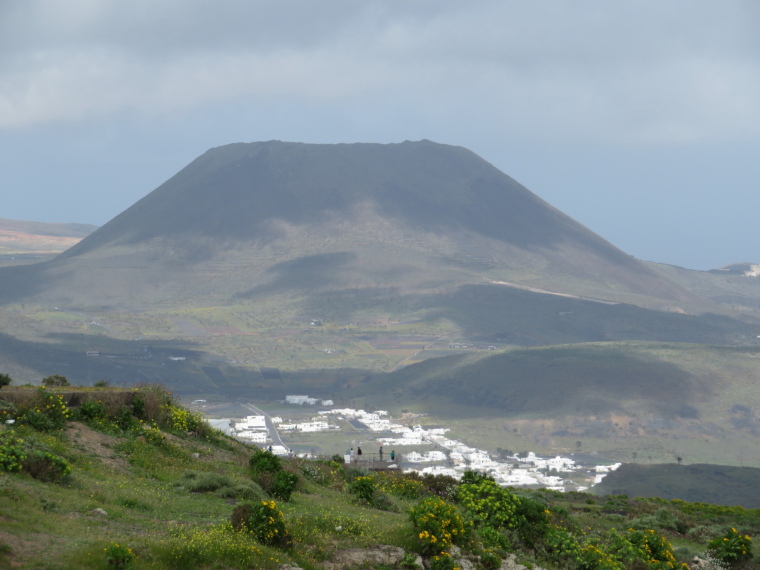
[130, 479]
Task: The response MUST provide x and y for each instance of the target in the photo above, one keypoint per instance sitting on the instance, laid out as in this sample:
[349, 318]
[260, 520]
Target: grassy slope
[45, 525]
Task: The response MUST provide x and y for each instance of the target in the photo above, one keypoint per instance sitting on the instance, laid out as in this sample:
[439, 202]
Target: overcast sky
[640, 119]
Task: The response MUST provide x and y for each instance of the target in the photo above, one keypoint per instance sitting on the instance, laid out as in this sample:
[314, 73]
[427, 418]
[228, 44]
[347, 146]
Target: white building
[251, 423]
[300, 400]
[253, 436]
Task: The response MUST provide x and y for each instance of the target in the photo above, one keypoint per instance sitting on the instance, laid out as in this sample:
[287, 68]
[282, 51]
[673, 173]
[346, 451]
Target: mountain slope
[247, 218]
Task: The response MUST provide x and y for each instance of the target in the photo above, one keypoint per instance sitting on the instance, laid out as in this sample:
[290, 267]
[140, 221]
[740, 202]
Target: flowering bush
[263, 521]
[653, 549]
[488, 504]
[181, 420]
[438, 525]
[443, 561]
[591, 557]
[561, 545]
[615, 551]
[46, 412]
[404, 485]
[364, 488]
[119, 556]
[731, 548]
[12, 454]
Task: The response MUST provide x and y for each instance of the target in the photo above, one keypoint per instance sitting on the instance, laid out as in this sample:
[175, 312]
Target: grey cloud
[641, 72]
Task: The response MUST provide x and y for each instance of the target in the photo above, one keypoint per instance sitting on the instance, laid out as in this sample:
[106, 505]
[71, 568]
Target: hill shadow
[573, 380]
[310, 272]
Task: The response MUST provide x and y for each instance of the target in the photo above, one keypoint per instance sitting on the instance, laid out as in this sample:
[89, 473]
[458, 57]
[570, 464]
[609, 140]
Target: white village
[426, 450]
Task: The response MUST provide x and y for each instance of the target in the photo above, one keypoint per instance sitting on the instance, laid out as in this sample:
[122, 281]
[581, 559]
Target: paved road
[270, 425]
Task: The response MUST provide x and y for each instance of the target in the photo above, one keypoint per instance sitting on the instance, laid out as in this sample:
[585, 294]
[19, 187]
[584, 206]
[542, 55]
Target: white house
[251, 423]
[253, 436]
[300, 400]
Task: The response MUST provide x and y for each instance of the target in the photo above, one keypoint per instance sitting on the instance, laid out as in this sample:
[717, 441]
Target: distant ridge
[25, 239]
[47, 228]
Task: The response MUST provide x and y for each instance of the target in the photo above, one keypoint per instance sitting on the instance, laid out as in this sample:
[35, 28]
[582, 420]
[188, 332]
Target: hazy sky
[640, 119]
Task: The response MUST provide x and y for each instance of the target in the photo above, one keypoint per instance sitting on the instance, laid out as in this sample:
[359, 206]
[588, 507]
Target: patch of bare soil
[23, 547]
[95, 443]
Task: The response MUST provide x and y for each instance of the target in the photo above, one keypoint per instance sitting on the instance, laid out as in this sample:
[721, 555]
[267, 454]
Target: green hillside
[716, 484]
[102, 478]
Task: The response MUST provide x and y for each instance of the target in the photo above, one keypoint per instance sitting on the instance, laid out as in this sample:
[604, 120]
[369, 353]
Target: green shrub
[5, 380]
[249, 491]
[31, 457]
[138, 406]
[409, 561]
[263, 461]
[45, 412]
[383, 502]
[90, 411]
[663, 519]
[495, 538]
[364, 488]
[532, 520]
[55, 380]
[441, 485]
[12, 453]
[263, 521]
[120, 556]
[181, 420]
[732, 548]
[474, 477]
[489, 560]
[437, 524]
[561, 546]
[46, 466]
[152, 435]
[488, 504]
[203, 481]
[442, 561]
[284, 484]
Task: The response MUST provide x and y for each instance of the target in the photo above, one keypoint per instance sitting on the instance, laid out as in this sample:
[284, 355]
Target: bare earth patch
[95, 443]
